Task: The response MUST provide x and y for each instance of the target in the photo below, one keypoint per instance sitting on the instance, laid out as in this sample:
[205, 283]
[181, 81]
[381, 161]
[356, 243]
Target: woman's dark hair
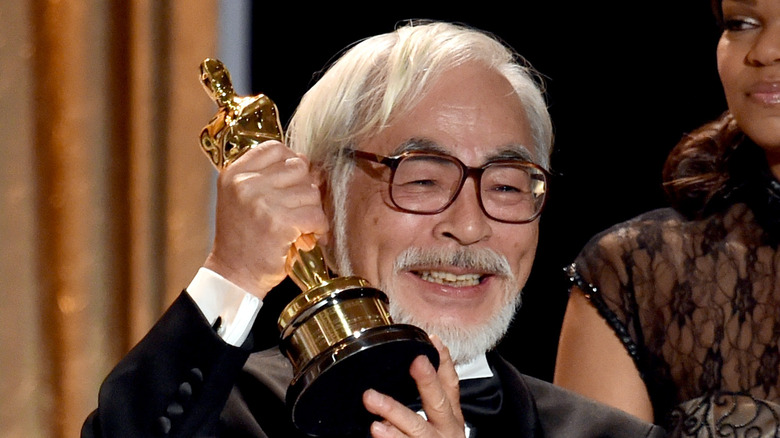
[697, 169]
[717, 11]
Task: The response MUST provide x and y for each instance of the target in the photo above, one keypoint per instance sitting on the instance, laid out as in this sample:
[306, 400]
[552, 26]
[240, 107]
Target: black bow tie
[480, 397]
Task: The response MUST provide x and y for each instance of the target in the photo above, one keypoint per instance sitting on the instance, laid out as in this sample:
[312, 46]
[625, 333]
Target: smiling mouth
[450, 279]
[766, 98]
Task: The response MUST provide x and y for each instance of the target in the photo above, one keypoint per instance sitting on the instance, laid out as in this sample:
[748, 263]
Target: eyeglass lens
[428, 183]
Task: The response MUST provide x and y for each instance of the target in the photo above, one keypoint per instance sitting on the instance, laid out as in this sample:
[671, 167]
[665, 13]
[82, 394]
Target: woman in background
[674, 316]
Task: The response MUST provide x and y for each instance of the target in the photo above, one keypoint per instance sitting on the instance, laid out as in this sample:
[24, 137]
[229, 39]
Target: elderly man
[419, 161]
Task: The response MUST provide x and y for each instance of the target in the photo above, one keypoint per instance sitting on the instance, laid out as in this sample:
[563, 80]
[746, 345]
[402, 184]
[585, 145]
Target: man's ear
[327, 205]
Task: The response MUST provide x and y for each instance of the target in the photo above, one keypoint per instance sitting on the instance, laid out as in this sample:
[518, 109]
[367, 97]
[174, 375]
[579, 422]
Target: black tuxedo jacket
[182, 380]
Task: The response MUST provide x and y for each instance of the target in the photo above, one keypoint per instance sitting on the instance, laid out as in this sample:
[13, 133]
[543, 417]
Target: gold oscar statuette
[337, 333]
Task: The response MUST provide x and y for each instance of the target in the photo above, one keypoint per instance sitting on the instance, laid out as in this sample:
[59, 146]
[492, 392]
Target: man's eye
[506, 188]
[422, 182]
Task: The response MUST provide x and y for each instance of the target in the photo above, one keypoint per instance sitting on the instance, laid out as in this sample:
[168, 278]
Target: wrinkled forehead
[472, 112]
[488, 153]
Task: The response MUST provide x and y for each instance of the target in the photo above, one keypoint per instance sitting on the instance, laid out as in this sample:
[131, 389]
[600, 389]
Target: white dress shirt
[218, 297]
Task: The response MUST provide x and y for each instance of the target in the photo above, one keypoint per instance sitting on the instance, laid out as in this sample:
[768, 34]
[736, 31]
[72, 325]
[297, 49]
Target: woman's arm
[593, 362]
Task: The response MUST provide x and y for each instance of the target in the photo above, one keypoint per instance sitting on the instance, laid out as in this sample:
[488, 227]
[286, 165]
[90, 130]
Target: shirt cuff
[217, 298]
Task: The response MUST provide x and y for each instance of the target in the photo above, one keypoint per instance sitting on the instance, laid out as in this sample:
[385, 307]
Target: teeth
[450, 279]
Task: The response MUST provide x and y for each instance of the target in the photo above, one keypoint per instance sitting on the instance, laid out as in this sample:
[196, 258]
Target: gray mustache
[483, 260]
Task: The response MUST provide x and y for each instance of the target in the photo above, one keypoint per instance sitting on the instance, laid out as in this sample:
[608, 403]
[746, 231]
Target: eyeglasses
[511, 191]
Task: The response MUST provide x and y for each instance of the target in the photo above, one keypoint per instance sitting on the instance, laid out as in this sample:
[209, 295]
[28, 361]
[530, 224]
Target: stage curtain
[106, 197]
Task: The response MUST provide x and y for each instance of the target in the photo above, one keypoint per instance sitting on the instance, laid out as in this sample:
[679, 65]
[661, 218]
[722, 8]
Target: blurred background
[107, 202]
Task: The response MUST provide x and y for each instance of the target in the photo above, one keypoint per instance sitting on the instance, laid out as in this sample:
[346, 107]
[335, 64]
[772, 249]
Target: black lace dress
[696, 302]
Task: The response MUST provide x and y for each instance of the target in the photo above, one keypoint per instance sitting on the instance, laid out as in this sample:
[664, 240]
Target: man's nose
[464, 220]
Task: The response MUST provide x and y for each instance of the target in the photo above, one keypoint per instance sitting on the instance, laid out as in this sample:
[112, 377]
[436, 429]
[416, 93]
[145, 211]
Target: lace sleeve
[616, 320]
[604, 272]
[634, 274]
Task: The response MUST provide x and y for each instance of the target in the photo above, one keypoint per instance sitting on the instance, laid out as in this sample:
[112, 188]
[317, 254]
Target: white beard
[464, 342]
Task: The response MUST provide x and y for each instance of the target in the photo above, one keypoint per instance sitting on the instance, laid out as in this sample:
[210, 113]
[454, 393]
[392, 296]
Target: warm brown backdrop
[104, 194]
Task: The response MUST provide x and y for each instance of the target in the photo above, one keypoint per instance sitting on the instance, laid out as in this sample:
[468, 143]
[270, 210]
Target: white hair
[386, 75]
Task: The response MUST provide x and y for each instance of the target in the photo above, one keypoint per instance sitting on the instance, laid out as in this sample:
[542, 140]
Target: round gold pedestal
[339, 347]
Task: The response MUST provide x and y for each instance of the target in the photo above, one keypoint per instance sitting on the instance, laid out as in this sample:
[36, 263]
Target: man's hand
[440, 395]
[266, 200]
